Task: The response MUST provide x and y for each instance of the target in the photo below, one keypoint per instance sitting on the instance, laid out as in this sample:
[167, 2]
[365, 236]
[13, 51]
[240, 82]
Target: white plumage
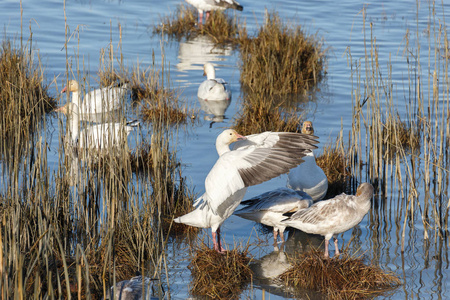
[213, 89]
[99, 136]
[254, 159]
[95, 102]
[308, 177]
[333, 216]
[208, 5]
[268, 208]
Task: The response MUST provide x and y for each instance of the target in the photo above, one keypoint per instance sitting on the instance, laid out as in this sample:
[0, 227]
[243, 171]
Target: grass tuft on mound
[219, 276]
[342, 277]
[281, 59]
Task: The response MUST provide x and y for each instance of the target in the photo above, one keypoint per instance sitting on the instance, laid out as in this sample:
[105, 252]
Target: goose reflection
[214, 109]
[194, 53]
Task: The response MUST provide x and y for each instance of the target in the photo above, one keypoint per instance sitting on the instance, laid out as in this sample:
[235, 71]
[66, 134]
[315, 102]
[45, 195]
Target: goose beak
[64, 90]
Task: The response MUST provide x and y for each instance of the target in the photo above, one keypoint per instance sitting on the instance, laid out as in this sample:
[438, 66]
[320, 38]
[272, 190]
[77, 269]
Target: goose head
[72, 86]
[209, 71]
[307, 128]
[226, 138]
[365, 190]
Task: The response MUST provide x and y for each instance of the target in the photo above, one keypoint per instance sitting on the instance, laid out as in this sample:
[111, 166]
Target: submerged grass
[281, 60]
[342, 277]
[219, 276]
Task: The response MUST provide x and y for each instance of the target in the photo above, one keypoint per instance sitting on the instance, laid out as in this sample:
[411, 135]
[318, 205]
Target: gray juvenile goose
[333, 216]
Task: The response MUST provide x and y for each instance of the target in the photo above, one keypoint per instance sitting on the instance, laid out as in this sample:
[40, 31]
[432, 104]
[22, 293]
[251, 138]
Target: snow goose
[95, 102]
[99, 136]
[255, 158]
[138, 287]
[333, 216]
[268, 208]
[213, 89]
[208, 5]
[308, 177]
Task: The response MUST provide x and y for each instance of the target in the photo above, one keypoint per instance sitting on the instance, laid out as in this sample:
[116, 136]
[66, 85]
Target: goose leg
[200, 19]
[336, 247]
[326, 248]
[275, 236]
[216, 241]
[207, 16]
[282, 236]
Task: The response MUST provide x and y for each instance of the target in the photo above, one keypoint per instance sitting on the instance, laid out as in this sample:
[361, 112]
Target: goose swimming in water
[95, 102]
[213, 89]
[254, 159]
[333, 216]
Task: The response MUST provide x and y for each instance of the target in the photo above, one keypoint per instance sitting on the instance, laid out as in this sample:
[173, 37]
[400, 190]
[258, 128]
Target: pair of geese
[96, 103]
[259, 157]
[108, 99]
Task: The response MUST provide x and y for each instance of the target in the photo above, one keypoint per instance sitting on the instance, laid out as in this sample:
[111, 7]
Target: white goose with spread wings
[254, 159]
[333, 216]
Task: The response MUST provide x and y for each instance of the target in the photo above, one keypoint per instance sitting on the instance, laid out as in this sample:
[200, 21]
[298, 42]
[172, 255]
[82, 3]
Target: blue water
[93, 25]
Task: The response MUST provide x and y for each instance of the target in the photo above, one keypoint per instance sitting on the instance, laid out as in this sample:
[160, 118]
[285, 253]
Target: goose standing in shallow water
[333, 216]
[308, 177]
[254, 159]
[208, 5]
[95, 102]
[213, 89]
[268, 208]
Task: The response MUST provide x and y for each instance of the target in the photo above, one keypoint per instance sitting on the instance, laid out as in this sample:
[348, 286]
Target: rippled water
[423, 267]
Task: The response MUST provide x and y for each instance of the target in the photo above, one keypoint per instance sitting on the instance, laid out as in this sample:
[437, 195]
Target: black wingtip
[239, 7]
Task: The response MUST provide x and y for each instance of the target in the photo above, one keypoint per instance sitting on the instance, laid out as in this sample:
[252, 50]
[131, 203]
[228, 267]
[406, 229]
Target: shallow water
[423, 267]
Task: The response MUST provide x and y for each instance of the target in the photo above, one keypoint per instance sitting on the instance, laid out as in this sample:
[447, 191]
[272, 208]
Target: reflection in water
[214, 109]
[194, 53]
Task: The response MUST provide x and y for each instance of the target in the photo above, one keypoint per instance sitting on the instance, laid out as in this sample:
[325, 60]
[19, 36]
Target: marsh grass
[24, 98]
[221, 27]
[219, 276]
[281, 59]
[342, 277]
[74, 229]
[261, 113]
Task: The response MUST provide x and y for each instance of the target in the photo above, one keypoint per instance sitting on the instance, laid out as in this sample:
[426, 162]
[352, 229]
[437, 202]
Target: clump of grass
[342, 277]
[24, 99]
[281, 60]
[219, 276]
[260, 113]
[336, 165]
[220, 26]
